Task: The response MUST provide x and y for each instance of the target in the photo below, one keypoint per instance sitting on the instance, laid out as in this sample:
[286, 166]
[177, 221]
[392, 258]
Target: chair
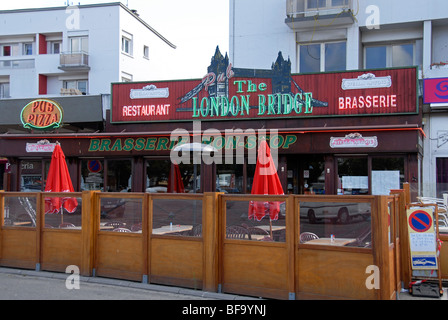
[237, 232]
[136, 227]
[307, 236]
[256, 230]
[196, 231]
[121, 230]
[66, 225]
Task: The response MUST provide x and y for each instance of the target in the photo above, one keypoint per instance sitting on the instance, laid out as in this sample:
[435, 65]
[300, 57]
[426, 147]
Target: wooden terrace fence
[206, 241]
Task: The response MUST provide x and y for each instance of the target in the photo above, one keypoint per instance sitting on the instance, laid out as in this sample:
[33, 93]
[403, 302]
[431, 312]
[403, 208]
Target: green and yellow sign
[42, 114]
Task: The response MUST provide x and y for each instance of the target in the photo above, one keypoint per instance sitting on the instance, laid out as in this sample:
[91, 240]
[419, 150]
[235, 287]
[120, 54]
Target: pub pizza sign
[42, 114]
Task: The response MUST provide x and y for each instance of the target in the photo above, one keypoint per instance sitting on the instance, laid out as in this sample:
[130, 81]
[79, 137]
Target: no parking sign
[422, 238]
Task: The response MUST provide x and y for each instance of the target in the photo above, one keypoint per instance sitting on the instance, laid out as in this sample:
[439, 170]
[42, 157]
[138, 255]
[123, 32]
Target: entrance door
[306, 175]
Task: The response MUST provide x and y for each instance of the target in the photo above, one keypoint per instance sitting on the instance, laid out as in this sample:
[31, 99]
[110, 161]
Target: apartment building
[73, 50]
[341, 35]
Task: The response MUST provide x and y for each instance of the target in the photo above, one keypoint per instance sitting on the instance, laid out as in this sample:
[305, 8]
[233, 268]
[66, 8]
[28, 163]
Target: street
[31, 285]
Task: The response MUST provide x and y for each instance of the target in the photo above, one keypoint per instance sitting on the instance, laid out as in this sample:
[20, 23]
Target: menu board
[384, 181]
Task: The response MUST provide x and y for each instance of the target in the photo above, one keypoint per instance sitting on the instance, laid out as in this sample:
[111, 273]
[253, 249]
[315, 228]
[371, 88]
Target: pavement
[19, 284]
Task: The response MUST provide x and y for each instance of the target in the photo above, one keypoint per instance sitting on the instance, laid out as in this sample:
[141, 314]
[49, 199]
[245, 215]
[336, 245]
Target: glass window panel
[20, 212]
[85, 44]
[74, 45]
[402, 55]
[82, 86]
[121, 214]
[335, 56]
[312, 4]
[157, 173]
[387, 174]
[250, 169]
[442, 176]
[229, 178]
[119, 176]
[310, 58]
[353, 176]
[31, 176]
[337, 3]
[28, 49]
[240, 226]
[92, 174]
[191, 177]
[65, 219]
[376, 57]
[172, 217]
[348, 223]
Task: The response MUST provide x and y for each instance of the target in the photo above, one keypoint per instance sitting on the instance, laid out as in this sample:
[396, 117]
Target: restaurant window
[92, 174]
[229, 178]
[387, 174]
[33, 175]
[353, 176]
[119, 176]
[323, 57]
[250, 171]
[157, 172]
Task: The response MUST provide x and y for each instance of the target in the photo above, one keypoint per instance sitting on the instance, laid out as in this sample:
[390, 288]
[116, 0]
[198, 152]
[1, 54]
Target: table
[327, 241]
[172, 229]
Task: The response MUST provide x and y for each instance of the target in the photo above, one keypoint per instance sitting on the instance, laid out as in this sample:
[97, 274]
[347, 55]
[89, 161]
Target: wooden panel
[333, 274]
[255, 269]
[176, 261]
[443, 258]
[60, 249]
[119, 255]
[18, 248]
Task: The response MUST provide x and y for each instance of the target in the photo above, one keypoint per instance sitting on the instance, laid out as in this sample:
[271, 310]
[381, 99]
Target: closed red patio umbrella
[59, 180]
[175, 183]
[266, 182]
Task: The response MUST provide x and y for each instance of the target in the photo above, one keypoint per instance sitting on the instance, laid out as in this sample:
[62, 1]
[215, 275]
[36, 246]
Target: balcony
[74, 61]
[303, 14]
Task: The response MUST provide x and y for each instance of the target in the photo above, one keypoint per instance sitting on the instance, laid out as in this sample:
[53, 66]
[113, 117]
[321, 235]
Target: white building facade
[73, 50]
[339, 35]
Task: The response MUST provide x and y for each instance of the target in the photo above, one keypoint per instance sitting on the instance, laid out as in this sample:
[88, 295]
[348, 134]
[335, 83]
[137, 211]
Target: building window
[323, 57]
[80, 85]
[146, 52]
[4, 90]
[315, 4]
[55, 47]
[79, 44]
[27, 49]
[126, 45]
[9, 50]
[385, 56]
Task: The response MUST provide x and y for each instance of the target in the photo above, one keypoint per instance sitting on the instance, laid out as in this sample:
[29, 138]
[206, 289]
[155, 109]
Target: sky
[196, 27]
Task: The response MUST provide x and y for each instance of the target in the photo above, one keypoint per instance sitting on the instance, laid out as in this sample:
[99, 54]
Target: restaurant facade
[350, 132]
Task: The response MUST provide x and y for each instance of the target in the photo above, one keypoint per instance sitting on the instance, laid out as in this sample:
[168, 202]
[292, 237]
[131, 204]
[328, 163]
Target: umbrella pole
[270, 227]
